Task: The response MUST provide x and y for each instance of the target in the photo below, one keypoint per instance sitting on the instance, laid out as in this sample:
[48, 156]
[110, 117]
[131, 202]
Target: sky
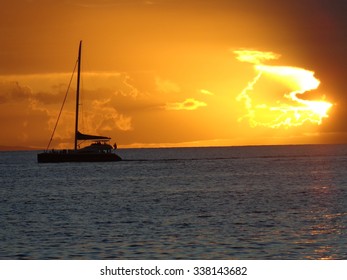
[167, 73]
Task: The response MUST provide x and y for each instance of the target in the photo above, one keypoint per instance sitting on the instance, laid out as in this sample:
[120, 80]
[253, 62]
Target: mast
[78, 92]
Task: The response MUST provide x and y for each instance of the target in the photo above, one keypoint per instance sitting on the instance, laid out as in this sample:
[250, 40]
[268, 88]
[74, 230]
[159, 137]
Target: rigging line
[83, 126]
[62, 106]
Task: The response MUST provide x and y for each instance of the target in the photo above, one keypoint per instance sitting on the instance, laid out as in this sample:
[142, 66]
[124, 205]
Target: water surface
[266, 202]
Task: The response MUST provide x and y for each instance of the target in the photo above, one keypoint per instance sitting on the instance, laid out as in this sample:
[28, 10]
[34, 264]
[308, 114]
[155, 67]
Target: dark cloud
[21, 121]
[12, 91]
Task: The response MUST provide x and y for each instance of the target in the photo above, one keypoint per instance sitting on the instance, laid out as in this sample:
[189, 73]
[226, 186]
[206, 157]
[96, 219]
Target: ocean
[261, 202]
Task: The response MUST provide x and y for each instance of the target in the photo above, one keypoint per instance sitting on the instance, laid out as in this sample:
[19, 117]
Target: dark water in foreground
[279, 202]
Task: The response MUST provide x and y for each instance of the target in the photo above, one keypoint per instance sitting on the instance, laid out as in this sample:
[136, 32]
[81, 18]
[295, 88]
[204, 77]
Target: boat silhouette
[98, 151]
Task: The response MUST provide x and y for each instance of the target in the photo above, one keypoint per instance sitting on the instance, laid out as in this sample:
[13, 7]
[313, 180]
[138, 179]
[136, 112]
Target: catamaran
[98, 151]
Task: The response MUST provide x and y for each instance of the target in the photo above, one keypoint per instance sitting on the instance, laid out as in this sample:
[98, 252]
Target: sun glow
[289, 108]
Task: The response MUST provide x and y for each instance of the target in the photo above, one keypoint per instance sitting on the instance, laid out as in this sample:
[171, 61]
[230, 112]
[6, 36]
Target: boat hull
[51, 157]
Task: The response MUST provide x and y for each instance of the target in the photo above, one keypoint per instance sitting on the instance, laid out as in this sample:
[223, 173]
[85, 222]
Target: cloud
[255, 57]
[29, 106]
[288, 109]
[206, 92]
[188, 104]
[166, 86]
[105, 117]
[12, 91]
[124, 123]
[131, 90]
[122, 83]
[22, 122]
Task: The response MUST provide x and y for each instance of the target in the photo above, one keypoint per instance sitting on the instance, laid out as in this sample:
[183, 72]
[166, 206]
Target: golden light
[287, 109]
[320, 107]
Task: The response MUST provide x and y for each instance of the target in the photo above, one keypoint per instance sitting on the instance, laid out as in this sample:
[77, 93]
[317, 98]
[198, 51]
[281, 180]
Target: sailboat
[98, 151]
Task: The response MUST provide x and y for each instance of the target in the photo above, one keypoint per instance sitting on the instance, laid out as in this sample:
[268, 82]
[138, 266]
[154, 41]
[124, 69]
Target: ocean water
[266, 202]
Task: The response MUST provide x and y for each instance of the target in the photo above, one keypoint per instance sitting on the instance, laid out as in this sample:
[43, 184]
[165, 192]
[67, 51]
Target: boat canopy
[81, 136]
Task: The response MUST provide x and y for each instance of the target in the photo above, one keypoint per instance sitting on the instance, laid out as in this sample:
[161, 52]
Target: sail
[81, 136]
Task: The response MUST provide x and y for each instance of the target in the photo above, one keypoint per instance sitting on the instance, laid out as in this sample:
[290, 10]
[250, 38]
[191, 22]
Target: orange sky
[164, 72]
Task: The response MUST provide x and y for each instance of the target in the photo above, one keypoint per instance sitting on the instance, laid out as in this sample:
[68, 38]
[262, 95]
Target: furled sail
[81, 136]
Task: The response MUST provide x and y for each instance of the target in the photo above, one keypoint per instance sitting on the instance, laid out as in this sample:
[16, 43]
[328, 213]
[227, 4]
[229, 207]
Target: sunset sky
[169, 72]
